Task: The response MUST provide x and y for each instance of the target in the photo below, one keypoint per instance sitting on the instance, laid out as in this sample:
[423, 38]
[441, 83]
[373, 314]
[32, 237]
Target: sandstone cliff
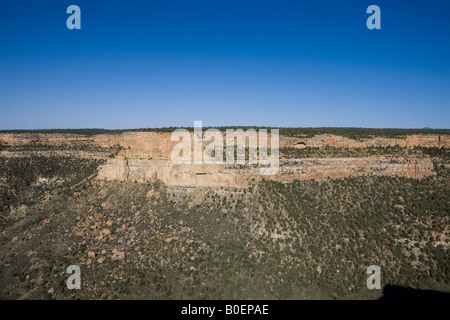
[156, 144]
[145, 156]
[324, 140]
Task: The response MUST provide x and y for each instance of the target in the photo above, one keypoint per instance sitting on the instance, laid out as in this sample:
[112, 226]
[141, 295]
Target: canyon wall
[145, 156]
[186, 175]
[160, 145]
[53, 139]
[322, 168]
[331, 140]
[142, 170]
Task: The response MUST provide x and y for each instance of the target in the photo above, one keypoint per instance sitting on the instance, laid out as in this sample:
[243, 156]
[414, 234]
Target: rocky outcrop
[331, 140]
[159, 145]
[142, 170]
[53, 139]
[139, 144]
[318, 169]
[145, 156]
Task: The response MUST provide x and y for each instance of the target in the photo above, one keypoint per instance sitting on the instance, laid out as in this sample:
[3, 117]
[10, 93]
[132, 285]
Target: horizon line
[225, 126]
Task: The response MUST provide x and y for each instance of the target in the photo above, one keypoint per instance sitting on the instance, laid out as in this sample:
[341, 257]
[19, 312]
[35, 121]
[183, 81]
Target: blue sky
[137, 64]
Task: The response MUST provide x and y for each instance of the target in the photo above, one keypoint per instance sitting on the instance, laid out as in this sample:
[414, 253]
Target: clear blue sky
[166, 63]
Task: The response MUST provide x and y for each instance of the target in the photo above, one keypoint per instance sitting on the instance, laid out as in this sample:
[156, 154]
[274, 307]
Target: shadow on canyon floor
[404, 293]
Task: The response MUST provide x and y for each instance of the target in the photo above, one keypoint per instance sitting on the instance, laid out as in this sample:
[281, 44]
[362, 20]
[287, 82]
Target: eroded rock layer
[145, 156]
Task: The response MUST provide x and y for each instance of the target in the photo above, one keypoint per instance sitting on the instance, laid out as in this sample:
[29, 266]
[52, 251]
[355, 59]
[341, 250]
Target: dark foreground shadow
[403, 293]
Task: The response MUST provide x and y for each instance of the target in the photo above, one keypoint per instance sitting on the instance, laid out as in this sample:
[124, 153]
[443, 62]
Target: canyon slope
[141, 227]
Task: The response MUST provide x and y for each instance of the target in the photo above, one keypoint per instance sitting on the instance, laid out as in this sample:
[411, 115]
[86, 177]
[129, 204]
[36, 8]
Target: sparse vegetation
[352, 133]
[267, 240]
[393, 151]
[272, 240]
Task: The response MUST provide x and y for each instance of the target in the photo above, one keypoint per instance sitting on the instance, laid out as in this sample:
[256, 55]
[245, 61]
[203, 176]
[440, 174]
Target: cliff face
[330, 140]
[139, 144]
[142, 170]
[318, 169]
[145, 156]
[53, 139]
[160, 145]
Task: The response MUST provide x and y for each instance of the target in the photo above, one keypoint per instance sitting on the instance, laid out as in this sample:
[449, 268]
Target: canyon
[140, 226]
[145, 156]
